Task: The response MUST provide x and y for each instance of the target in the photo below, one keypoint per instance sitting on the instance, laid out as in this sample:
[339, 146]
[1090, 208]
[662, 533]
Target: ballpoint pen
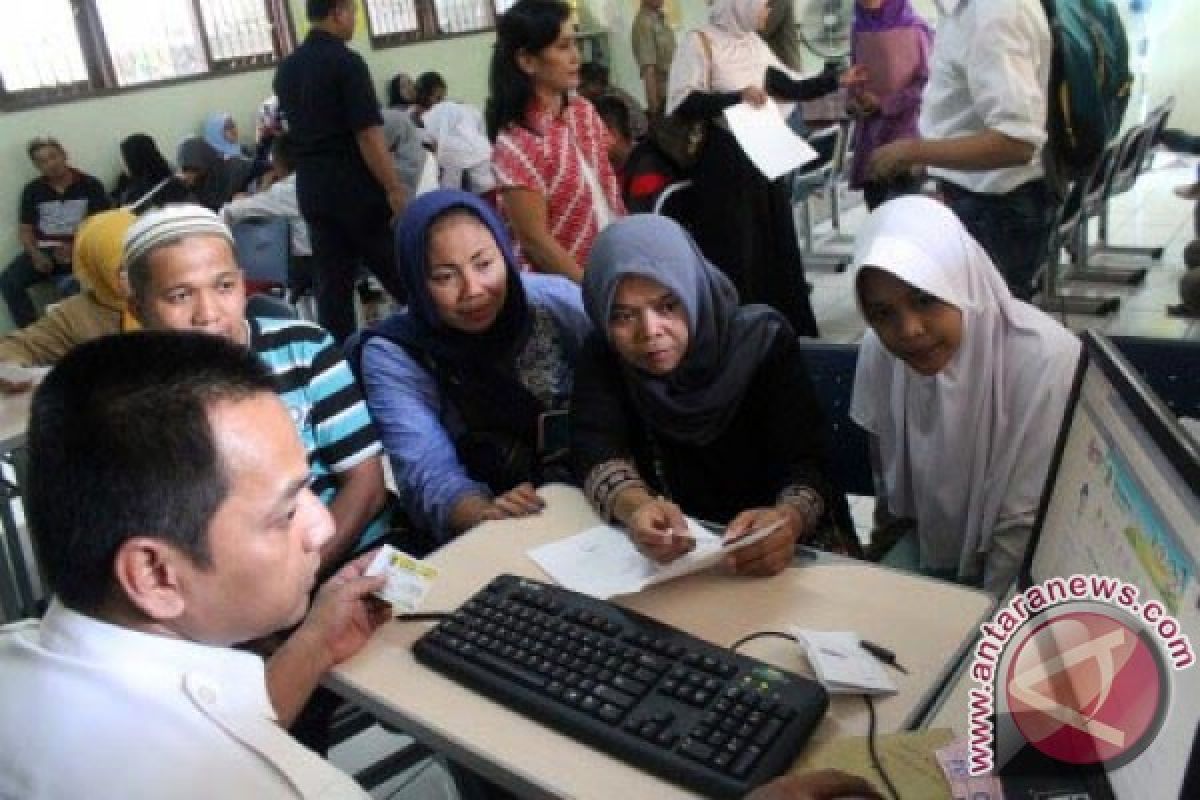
[883, 654]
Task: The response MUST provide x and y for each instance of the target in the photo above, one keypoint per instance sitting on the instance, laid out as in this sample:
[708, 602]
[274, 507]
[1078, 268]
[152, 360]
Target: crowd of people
[545, 331]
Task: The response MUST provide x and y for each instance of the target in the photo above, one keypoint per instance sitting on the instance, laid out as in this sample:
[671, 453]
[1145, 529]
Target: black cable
[761, 635]
[875, 760]
[424, 616]
[871, 744]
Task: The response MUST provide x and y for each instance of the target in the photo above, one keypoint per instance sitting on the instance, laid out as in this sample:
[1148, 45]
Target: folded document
[841, 664]
[602, 562]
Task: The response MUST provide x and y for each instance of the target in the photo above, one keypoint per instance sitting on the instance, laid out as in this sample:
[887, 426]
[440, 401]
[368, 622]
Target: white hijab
[740, 57]
[964, 452]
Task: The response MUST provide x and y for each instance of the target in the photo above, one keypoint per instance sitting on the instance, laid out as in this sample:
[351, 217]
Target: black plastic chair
[831, 368]
[269, 306]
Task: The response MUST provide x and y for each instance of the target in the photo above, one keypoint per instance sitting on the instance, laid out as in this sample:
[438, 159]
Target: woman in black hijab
[147, 181]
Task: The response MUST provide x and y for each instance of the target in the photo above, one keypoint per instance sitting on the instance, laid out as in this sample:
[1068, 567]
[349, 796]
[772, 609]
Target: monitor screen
[1124, 503]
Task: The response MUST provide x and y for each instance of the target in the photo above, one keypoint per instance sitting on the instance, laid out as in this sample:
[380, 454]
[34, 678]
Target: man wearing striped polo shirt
[183, 276]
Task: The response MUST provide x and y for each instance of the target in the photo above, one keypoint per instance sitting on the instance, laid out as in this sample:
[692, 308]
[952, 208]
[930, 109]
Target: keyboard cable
[872, 749]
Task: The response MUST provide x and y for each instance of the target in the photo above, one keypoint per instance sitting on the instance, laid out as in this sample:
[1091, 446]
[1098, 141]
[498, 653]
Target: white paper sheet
[842, 666]
[767, 140]
[602, 562]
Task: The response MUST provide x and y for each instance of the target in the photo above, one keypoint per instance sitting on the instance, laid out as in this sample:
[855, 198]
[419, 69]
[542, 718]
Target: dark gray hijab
[695, 403]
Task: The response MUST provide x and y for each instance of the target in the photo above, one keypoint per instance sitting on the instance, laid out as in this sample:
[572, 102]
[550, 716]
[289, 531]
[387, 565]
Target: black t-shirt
[326, 96]
[55, 216]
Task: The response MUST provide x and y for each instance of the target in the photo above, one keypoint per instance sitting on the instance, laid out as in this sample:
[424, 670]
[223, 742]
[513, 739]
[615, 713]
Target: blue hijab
[214, 134]
[420, 326]
[477, 371]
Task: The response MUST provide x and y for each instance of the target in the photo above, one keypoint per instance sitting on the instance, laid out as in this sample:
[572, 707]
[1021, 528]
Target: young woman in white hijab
[961, 387]
[740, 220]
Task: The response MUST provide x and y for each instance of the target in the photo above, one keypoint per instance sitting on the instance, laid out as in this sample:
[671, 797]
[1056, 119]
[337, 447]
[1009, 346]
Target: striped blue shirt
[320, 393]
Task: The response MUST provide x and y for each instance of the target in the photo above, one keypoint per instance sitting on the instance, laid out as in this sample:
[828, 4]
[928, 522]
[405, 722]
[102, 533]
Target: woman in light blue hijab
[221, 132]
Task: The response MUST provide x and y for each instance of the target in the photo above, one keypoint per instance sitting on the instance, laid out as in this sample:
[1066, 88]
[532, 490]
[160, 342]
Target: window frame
[426, 27]
[97, 60]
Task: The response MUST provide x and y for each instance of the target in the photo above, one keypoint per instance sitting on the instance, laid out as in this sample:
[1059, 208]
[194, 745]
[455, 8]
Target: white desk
[16, 588]
[928, 623]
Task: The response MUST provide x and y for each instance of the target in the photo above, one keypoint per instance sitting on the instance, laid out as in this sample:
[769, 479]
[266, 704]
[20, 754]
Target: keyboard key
[695, 749]
[769, 732]
[611, 695]
[745, 762]
[635, 688]
[610, 713]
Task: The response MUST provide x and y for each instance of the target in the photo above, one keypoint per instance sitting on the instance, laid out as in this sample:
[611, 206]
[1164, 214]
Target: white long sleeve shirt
[990, 68]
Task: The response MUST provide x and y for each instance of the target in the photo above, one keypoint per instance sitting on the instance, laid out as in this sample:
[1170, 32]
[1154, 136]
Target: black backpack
[1090, 85]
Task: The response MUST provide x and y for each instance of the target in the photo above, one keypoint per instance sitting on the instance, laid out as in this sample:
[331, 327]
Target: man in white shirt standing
[168, 497]
[983, 124]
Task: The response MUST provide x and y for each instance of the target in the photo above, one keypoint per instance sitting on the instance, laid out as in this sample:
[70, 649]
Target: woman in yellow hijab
[98, 310]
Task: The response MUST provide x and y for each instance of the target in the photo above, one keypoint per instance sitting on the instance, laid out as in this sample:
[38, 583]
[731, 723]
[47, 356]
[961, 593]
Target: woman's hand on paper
[771, 555]
[659, 530]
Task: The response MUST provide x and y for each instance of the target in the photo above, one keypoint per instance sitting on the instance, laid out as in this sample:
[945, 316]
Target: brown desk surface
[926, 622]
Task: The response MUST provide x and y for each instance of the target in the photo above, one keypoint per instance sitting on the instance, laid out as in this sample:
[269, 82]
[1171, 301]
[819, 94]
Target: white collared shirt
[89, 709]
[990, 69]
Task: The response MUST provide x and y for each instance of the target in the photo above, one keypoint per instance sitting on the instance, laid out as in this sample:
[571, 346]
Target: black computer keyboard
[700, 715]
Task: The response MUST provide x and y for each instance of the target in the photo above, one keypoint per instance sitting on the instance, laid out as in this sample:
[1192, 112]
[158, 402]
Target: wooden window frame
[101, 81]
[427, 27]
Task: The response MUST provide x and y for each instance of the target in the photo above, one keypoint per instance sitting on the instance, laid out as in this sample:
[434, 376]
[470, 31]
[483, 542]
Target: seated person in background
[961, 387]
[183, 276]
[594, 85]
[147, 181]
[469, 386]
[401, 92]
[98, 310]
[277, 200]
[221, 133]
[403, 141]
[686, 402]
[194, 532]
[212, 179]
[456, 134]
[642, 170]
[268, 123]
[52, 206]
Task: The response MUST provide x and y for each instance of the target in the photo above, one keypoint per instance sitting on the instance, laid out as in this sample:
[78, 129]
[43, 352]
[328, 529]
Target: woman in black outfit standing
[742, 221]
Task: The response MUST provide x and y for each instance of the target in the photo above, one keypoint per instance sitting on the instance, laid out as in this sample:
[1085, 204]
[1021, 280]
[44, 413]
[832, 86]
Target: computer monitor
[1123, 500]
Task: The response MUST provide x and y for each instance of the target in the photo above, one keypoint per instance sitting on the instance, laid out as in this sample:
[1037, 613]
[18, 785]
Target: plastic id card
[408, 579]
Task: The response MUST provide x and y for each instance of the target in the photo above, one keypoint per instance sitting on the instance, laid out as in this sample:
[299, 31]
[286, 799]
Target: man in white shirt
[983, 124]
[168, 497]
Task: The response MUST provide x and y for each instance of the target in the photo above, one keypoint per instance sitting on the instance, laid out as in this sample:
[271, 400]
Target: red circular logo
[1085, 688]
